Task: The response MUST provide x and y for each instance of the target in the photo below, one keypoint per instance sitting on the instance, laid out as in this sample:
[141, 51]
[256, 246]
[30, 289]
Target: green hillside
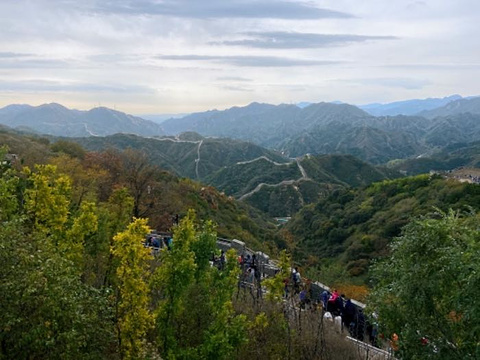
[180, 155]
[31, 149]
[353, 226]
[263, 178]
[158, 194]
[344, 169]
[282, 189]
[449, 158]
[238, 179]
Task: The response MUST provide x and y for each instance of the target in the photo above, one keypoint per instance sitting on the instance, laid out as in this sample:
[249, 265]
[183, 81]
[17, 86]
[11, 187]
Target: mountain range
[457, 107]
[408, 107]
[451, 157]
[290, 130]
[55, 119]
[327, 128]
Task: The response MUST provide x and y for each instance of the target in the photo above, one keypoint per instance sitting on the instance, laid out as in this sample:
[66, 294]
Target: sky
[181, 56]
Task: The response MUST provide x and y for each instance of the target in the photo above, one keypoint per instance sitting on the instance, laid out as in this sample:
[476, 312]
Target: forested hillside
[180, 154]
[270, 182]
[353, 226]
[451, 157]
[158, 194]
[282, 189]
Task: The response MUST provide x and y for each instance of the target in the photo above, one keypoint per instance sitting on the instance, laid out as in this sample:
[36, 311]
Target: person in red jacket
[334, 296]
[332, 305]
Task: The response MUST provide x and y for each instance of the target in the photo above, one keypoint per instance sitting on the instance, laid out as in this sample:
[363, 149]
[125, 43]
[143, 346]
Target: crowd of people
[251, 274]
[352, 316]
[334, 306]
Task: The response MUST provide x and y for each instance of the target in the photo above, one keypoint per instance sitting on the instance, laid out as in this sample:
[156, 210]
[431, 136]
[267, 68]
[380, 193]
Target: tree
[428, 290]
[46, 311]
[86, 176]
[171, 281]
[138, 175]
[85, 224]
[133, 317]
[47, 200]
[8, 197]
[70, 148]
[113, 217]
[195, 317]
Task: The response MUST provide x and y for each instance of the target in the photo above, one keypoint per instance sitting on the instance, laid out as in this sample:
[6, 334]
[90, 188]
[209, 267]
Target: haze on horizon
[177, 56]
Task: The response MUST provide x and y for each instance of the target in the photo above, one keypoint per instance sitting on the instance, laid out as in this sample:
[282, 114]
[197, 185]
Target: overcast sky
[178, 56]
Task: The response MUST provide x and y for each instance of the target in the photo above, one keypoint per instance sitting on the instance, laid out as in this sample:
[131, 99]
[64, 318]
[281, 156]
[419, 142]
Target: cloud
[234, 78]
[57, 86]
[294, 40]
[236, 88]
[250, 61]
[416, 4]
[434, 66]
[220, 9]
[113, 58]
[16, 62]
[9, 55]
[404, 83]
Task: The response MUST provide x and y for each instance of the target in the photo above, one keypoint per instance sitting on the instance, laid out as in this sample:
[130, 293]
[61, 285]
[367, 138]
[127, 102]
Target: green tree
[8, 197]
[113, 217]
[171, 281]
[133, 317]
[68, 147]
[47, 200]
[195, 316]
[430, 288]
[84, 225]
[46, 311]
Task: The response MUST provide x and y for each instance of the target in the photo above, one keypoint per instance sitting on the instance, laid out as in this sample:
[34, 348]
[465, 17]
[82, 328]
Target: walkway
[304, 177]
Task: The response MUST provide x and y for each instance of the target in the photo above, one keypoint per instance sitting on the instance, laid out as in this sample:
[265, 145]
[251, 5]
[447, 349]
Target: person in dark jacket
[360, 325]
[339, 305]
[325, 297]
[349, 315]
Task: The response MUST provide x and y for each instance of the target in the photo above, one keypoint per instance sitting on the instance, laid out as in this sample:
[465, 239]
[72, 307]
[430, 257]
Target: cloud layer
[221, 9]
[167, 56]
[295, 40]
[251, 61]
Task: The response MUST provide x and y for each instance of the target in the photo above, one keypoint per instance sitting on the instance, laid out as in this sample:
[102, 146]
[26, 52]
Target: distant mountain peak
[56, 119]
[460, 106]
[53, 105]
[408, 107]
